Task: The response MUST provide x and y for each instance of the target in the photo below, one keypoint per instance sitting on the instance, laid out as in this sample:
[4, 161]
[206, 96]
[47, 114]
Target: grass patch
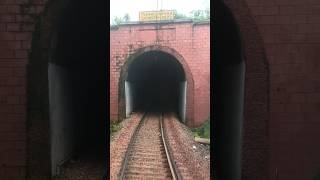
[202, 131]
[114, 127]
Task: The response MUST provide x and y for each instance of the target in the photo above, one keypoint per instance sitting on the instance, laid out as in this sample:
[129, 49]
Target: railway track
[148, 155]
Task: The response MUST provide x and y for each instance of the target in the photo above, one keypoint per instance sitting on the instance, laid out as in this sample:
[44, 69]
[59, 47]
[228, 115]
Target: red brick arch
[256, 103]
[179, 58]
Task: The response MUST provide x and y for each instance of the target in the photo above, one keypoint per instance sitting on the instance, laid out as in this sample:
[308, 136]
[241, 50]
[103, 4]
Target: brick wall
[191, 41]
[293, 52]
[291, 35]
[16, 28]
[290, 32]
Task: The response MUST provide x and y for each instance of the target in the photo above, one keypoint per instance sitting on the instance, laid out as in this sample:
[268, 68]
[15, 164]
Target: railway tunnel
[156, 82]
[77, 74]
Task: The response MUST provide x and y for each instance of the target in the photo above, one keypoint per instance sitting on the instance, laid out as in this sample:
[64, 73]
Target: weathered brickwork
[190, 41]
[290, 34]
[17, 23]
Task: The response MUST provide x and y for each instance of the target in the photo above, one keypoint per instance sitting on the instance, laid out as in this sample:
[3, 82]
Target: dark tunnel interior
[78, 83]
[155, 77]
[228, 94]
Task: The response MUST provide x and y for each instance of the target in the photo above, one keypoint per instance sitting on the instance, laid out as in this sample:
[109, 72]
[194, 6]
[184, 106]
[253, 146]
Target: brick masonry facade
[289, 31]
[17, 24]
[290, 34]
[187, 41]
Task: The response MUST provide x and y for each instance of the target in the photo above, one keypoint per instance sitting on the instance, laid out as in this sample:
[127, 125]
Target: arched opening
[68, 64]
[228, 94]
[240, 94]
[170, 60]
[156, 82]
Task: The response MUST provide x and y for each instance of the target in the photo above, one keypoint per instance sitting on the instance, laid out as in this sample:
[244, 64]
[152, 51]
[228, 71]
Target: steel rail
[173, 168]
[127, 154]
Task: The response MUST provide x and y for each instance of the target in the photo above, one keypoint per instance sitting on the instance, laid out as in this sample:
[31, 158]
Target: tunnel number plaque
[156, 15]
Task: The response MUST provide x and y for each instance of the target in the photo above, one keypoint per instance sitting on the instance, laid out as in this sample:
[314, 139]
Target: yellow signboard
[156, 15]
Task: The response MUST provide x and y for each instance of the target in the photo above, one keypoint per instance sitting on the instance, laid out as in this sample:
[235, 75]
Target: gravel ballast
[120, 141]
[192, 159]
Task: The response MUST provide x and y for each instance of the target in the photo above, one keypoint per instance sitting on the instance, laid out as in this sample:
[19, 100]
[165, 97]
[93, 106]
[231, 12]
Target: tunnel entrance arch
[161, 62]
[66, 88]
[234, 23]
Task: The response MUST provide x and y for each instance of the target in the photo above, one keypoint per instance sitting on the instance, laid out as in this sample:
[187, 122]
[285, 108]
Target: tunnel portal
[77, 89]
[156, 82]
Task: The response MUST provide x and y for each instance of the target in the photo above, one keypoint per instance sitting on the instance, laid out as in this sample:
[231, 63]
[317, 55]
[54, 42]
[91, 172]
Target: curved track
[148, 155]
